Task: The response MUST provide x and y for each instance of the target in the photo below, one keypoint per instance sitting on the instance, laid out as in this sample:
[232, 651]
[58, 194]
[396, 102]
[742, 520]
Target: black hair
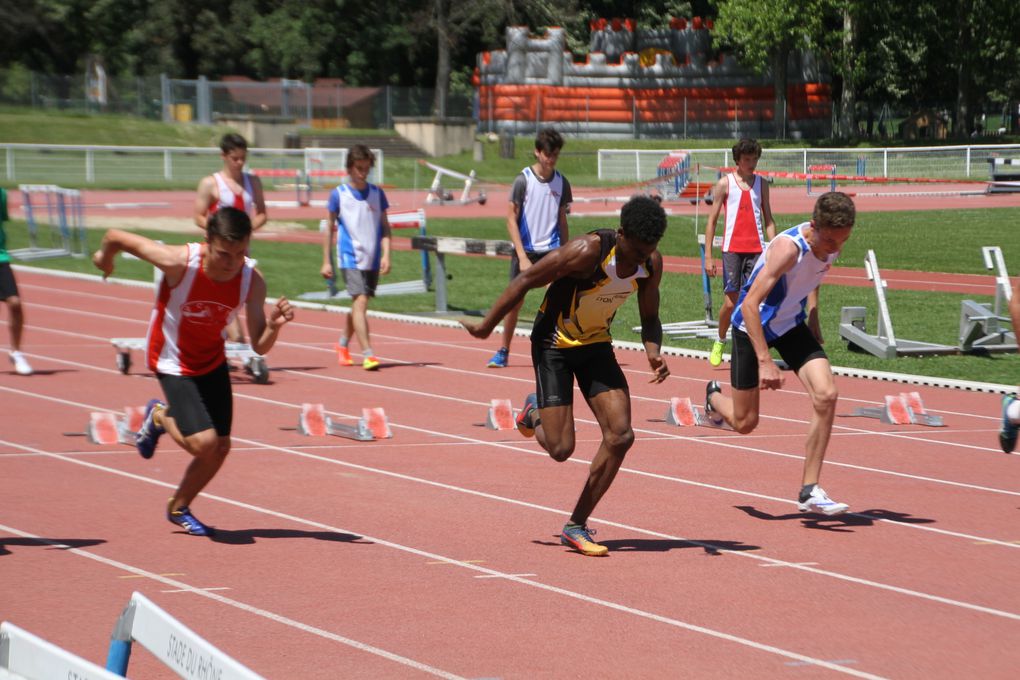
[229, 224]
[232, 142]
[834, 209]
[642, 218]
[548, 140]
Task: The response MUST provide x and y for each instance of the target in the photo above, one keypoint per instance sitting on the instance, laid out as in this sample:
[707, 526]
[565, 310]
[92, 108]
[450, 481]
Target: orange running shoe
[343, 356]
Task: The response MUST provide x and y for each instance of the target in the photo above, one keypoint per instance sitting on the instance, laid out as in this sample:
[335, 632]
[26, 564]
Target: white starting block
[254, 364]
[373, 424]
[682, 413]
[439, 196]
[501, 415]
[107, 428]
[906, 408]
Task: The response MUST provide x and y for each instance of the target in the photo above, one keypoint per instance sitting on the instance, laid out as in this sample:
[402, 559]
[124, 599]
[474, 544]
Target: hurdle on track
[65, 217]
[413, 219]
[441, 246]
[884, 344]
[984, 328]
[170, 641]
[829, 170]
[24, 655]
[437, 195]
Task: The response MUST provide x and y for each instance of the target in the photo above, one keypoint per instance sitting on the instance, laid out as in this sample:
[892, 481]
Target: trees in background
[959, 55]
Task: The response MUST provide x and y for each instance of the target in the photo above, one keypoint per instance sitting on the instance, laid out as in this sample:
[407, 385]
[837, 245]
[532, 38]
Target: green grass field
[924, 241]
[292, 269]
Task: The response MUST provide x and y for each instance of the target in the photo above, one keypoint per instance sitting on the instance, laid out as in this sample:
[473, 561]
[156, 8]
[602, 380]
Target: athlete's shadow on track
[48, 543]
[844, 523]
[249, 536]
[712, 547]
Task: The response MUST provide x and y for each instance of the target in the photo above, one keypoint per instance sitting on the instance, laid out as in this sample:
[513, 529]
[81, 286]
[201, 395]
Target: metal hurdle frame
[24, 655]
[984, 329]
[174, 644]
[884, 344]
[65, 211]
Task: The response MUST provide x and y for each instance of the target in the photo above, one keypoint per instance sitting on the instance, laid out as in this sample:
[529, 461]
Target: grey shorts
[515, 262]
[736, 269]
[361, 282]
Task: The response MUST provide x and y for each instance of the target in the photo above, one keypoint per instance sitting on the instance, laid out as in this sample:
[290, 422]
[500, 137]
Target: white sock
[1013, 412]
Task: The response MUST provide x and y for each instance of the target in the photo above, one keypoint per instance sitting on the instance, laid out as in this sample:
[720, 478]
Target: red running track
[435, 552]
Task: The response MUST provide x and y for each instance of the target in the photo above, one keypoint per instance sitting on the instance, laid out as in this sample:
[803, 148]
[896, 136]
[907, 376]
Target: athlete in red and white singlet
[244, 201]
[186, 329]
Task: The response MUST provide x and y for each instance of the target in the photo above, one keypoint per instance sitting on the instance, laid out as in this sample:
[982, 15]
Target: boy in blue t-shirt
[360, 233]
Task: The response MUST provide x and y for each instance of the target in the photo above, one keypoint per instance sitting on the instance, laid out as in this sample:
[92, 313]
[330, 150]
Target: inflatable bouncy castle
[635, 82]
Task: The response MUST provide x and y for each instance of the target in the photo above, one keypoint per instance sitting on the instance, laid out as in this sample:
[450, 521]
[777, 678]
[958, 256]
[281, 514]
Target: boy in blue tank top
[778, 307]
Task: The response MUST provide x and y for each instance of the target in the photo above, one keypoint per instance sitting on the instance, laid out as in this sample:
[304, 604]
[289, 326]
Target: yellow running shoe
[343, 356]
[715, 358]
[578, 537]
[370, 364]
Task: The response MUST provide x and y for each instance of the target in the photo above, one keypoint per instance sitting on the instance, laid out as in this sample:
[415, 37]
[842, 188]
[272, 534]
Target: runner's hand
[769, 376]
[282, 313]
[660, 371]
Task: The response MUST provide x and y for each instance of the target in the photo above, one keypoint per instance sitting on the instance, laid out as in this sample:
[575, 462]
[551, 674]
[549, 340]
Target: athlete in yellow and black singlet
[589, 278]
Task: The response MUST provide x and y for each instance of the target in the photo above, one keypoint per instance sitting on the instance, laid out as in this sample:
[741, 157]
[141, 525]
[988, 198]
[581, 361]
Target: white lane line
[237, 604]
[533, 506]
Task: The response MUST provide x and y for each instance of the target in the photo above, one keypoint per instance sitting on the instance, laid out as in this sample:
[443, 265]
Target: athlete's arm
[651, 326]
[328, 244]
[258, 198]
[781, 258]
[766, 211]
[384, 245]
[579, 256]
[719, 194]
[203, 199]
[170, 259]
[263, 332]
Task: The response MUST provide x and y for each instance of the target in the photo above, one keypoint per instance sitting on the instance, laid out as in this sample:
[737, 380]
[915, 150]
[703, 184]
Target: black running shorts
[594, 366]
[200, 402]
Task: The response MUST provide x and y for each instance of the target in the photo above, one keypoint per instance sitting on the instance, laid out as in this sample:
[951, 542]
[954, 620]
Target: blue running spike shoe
[500, 358]
[526, 417]
[183, 518]
[578, 537]
[148, 436]
[711, 413]
[1007, 435]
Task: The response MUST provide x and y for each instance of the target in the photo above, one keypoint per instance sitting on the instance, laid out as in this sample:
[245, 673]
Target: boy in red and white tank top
[232, 187]
[743, 197]
[204, 285]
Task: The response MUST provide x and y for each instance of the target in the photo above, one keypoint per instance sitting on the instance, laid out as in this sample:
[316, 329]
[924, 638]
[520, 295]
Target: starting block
[682, 413]
[906, 408]
[313, 422]
[501, 415]
[108, 428]
[254, 364]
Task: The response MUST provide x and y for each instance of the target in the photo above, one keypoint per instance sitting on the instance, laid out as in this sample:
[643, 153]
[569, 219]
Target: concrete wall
[437, 136]
[268, 134]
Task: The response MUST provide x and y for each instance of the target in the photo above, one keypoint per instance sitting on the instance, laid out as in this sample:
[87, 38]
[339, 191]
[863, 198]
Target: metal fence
[942, 162]
[326, 103]
[73, 165]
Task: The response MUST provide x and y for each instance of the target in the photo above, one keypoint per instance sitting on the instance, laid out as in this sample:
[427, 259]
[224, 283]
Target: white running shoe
[819, 501]
[21, 365]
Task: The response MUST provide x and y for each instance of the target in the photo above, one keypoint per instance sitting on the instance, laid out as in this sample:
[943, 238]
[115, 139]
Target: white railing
[81, 165]
[949, 162]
